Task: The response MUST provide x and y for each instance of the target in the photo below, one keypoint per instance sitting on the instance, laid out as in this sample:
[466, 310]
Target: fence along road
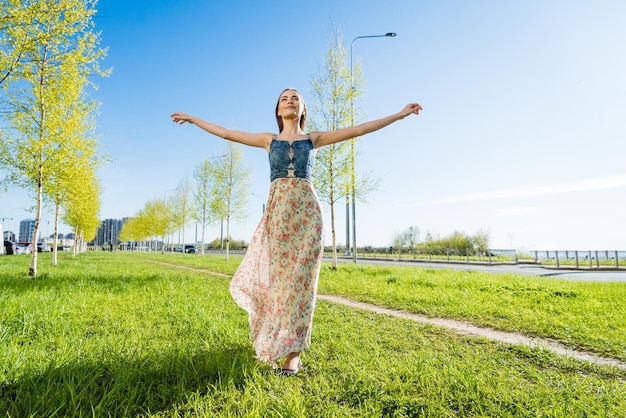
[591, 275]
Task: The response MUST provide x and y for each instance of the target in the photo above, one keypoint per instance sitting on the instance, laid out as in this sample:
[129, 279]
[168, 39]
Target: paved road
[521, 269]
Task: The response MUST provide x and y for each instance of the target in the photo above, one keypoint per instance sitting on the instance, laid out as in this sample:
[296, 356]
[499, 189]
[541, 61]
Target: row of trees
[217, 194]
[48, 54]
[409, 240]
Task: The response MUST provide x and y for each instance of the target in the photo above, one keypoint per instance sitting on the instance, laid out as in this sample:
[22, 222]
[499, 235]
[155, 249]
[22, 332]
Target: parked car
[10, 247]
[14, 248]
[178, 250]
[42, 247]
[24, 248]
[191, 249]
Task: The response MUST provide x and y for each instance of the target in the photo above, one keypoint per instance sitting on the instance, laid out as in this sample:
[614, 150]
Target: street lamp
[352, 145]
[263, 200]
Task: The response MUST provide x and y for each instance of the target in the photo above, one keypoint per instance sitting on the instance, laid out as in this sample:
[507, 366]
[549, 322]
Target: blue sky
[522, 133]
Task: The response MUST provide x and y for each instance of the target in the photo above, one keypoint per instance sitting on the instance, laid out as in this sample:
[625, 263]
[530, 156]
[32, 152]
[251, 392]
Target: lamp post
[352, 145]
[262, 200]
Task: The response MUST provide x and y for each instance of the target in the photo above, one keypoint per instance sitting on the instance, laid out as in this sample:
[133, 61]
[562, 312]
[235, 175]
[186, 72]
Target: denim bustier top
[289, 159]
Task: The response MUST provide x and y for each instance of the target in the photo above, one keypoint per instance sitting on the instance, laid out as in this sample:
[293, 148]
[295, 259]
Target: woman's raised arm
[331, 137]
[261, 140]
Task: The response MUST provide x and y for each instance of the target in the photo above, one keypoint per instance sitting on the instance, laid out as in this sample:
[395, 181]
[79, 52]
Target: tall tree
[203, 196]
[81, 209]
[140, 228]
[334, 93]
[158, 214]
[409, 238]
[336, 90]
[60, 39]
[76, 150]
[66, 183]
[128, 233]
[184, 209]
[230, 192]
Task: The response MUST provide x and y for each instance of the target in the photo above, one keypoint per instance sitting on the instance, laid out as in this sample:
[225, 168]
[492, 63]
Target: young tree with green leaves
[140, 228]
[129, 232]
[204, 176]
[480, 240]
[183, 208]
[60, 44]
[230, 190]
[409, 239]
[334, 92]
[81, 209]
[158, 219]
[61, 188]
[76, 152]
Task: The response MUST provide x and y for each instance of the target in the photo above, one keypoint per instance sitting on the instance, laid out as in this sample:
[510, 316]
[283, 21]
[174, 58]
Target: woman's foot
[292, 364]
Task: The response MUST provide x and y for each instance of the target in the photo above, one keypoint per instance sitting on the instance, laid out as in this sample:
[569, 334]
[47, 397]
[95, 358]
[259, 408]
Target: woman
[276, 282]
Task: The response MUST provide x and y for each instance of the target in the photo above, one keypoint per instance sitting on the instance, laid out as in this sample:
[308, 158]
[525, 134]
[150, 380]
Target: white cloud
[599, 183]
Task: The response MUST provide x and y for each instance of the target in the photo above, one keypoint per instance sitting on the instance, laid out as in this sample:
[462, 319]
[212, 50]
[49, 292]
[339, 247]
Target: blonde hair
[279, 119]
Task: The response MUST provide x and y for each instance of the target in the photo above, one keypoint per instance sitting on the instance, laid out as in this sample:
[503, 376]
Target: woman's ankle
[292, 360]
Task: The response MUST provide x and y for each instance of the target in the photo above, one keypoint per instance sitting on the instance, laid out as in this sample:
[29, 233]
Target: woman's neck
[291, 127]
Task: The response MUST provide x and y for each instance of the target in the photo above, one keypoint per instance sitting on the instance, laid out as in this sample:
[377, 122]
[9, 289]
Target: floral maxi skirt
[276, 282]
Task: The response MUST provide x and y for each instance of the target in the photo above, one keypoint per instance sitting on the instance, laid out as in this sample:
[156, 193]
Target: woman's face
[290, 106]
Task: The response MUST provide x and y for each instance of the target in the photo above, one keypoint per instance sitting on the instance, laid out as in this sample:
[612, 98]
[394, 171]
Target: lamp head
[391, 34]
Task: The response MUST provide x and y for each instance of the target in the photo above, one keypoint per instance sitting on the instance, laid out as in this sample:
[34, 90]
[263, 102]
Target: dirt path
[464, 328]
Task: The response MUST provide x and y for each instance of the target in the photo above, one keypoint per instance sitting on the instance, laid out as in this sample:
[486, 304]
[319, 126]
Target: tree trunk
[32, 271]
[227, 237]
[334, 237]
[56, 235]
[76, 241]
[202, 238]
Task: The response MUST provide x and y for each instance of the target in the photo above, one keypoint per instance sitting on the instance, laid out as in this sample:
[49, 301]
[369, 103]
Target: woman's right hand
[180, 118]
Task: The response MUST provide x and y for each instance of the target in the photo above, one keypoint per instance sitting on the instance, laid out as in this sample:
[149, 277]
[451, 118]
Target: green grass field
[116, 334]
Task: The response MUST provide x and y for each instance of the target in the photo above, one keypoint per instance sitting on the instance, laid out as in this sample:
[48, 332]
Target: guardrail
[581, 258]
[577, 259]
[448, 255]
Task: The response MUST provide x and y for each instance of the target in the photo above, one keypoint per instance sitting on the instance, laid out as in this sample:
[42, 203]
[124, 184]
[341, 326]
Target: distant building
[9, 235]
[27, 226]
[108, 232]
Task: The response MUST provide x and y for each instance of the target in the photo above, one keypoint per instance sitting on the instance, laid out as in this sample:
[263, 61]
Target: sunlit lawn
[114, 334]
[586, 315]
